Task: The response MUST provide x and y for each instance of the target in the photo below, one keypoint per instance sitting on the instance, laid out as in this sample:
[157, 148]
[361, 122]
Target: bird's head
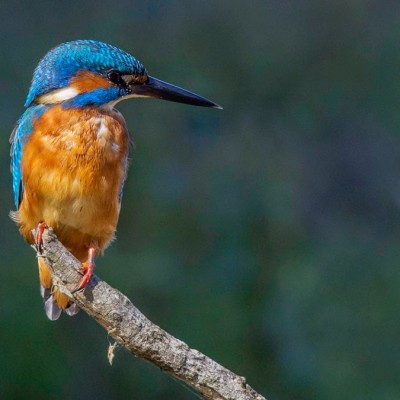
[91, 73]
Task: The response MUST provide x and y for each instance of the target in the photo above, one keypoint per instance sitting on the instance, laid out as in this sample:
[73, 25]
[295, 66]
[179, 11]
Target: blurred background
[266, 235]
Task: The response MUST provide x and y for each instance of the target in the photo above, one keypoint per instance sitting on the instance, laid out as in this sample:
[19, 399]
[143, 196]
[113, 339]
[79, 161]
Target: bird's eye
[115, 76]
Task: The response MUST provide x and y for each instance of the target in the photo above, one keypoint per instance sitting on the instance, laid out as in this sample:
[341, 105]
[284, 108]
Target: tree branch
[131, 329]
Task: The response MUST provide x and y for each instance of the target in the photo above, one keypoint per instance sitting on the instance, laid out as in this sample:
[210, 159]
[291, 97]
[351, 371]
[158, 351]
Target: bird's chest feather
[73, 166]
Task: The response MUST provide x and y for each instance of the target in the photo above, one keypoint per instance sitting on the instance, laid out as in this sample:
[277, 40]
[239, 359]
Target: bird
[70, 152]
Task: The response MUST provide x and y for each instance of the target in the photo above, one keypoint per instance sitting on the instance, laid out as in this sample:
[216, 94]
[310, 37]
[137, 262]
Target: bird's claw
[88, 268]
[39, 237]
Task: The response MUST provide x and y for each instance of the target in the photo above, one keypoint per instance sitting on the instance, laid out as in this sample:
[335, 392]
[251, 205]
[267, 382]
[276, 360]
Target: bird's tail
[54, 300]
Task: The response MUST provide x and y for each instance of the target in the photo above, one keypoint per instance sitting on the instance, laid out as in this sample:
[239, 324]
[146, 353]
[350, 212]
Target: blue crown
[60, 64]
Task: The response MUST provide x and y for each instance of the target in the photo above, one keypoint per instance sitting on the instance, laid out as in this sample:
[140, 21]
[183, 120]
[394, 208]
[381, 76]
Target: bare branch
[131, 329]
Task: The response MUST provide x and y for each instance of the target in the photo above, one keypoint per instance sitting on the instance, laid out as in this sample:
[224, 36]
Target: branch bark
[132, 330]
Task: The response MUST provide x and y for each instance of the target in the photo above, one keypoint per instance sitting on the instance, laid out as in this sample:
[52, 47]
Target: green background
[266, 235]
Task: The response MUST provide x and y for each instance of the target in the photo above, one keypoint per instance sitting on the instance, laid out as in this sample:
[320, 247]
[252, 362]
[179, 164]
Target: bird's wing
[18, 137]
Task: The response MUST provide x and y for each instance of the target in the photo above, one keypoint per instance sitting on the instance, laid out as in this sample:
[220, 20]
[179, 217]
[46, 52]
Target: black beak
[162, 90]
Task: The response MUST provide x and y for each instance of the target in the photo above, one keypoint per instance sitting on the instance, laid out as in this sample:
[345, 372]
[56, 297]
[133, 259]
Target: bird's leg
[88, 267]
[39, 236]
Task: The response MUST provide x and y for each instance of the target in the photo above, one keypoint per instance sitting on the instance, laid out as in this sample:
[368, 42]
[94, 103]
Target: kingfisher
[70, 150]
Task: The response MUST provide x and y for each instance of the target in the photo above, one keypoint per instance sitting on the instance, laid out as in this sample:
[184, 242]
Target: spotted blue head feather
[60, 64]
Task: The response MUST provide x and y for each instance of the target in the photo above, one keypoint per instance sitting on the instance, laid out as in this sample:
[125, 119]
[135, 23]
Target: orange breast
[73, 166]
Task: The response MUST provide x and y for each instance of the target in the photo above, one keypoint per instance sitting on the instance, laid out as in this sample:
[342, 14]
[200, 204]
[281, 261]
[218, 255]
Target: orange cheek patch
[86, 81]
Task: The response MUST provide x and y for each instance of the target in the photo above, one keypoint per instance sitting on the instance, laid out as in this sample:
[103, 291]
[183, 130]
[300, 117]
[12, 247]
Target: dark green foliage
[266, 235]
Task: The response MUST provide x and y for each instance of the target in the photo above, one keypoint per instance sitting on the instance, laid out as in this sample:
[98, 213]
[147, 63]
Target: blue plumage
[18, 137]
[94, 98]
[61, 63]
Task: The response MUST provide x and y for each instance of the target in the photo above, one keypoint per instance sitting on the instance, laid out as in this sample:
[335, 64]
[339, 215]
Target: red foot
[88, 268]
[39, 236]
